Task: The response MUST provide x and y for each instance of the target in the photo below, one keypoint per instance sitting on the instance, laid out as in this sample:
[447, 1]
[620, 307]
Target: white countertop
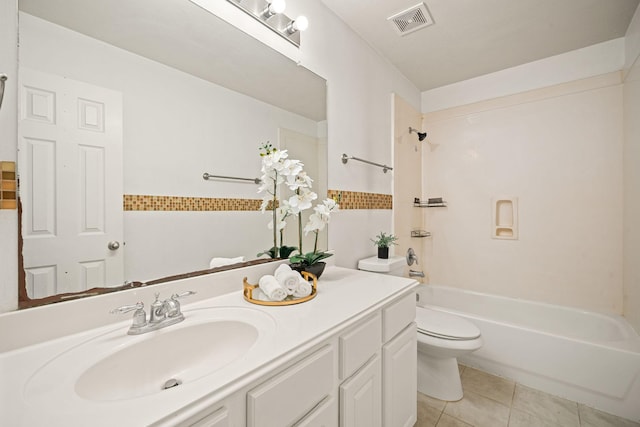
[344, 296]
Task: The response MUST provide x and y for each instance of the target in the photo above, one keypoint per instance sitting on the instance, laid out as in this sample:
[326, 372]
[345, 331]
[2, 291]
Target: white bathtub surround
[559, 151]
[304, 332]
[583, 356]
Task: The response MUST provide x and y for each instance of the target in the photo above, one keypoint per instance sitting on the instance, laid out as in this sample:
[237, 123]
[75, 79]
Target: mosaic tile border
[8, 186]
[139, 202]
[360, 200]
[348, 200]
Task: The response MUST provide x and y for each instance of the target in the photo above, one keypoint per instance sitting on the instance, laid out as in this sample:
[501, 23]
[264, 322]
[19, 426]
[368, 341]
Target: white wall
[631, 157]
[360, 84]
[8, 135]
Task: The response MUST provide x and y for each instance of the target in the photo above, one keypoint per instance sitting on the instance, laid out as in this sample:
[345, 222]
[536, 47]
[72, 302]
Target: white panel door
[70, 165]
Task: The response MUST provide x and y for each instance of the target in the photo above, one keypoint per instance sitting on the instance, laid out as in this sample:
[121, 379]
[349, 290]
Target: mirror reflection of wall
[175, 127]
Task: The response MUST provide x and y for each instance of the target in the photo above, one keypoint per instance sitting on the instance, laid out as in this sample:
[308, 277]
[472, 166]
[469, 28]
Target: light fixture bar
[267, 13]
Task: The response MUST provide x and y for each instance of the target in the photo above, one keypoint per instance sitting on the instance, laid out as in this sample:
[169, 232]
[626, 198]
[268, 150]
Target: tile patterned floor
[491, 401]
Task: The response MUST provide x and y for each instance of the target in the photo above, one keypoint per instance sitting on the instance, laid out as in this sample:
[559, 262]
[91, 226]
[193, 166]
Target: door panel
[70, 165]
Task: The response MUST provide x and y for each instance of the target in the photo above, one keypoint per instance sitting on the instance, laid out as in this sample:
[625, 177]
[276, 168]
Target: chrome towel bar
[206, 176]
[385, 168]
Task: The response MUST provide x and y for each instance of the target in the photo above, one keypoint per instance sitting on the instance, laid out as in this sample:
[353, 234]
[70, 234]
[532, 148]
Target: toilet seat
[445, 326]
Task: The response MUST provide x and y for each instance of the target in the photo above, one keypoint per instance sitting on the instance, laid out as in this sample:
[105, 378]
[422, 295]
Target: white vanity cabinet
[346, 358]
[378, 368]
[373, 384]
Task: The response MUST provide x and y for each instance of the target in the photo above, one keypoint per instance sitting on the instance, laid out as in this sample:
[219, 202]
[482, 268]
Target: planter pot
[383, 253]
[315, 269]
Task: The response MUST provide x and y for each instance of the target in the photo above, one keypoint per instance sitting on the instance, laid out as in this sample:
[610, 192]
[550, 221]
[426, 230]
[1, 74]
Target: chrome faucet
[161, 314]
[415, 273]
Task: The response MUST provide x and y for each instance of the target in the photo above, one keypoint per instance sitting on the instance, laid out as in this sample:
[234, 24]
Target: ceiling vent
[412, 19]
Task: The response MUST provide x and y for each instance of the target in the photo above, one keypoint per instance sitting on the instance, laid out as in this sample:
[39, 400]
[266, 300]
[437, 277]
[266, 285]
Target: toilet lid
[443, 325]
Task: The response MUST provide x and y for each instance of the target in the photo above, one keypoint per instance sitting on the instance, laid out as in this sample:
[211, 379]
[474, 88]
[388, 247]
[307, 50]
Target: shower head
[421, 135]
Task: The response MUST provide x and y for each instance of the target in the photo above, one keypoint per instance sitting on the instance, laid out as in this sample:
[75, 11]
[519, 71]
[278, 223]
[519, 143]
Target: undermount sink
[115, 366]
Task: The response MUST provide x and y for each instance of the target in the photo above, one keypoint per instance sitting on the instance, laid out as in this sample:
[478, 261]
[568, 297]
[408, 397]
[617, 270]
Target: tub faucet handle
[411, 256]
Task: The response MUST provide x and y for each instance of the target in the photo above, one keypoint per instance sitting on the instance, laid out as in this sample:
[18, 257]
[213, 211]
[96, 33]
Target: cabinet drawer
[398, 315]
[291, 394]
[358, 345]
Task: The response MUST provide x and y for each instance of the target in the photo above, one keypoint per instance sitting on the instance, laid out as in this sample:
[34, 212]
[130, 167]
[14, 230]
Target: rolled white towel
[304, 288]
[288, 278]
[271, 288]
[219, 262]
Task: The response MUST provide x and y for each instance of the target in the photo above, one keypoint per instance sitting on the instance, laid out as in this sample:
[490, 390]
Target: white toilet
[442, 337]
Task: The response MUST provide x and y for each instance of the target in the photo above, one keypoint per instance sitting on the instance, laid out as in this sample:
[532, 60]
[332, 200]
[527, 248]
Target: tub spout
[414, 273]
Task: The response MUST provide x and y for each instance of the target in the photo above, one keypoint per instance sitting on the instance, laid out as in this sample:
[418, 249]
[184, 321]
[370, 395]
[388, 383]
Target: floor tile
[590, 417]
[520, 418]
[478, 411]
[551, 409]
[487, 385]
[428, 415]
[431, 401]
[449, 421]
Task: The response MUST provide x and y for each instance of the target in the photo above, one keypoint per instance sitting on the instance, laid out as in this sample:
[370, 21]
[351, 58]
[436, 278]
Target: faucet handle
[139, 317]
[183, 294]
[411, 257]
[127, 308]
[173, 305]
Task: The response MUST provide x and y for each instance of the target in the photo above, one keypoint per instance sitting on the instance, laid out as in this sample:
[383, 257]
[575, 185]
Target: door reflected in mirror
[121, 113]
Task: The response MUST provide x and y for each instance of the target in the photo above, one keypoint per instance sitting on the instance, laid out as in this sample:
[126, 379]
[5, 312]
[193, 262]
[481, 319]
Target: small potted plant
[383, 241]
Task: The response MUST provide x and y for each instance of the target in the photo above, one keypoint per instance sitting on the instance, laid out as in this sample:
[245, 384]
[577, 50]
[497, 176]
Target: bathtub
[587, 357]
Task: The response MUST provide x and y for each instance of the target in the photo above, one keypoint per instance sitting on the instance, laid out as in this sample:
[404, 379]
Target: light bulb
[274, 7]
[301, 23]
[277, 6]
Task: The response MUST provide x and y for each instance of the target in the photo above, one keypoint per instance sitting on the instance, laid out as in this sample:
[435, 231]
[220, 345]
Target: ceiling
[471, 38]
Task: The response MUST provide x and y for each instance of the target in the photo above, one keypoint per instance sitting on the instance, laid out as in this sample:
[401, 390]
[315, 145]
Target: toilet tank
[393, 265]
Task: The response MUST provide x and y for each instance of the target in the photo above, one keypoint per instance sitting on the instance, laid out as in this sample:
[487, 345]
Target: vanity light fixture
[270, 14]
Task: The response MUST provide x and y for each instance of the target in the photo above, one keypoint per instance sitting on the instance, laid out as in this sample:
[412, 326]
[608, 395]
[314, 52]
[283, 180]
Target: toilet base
[439, 377]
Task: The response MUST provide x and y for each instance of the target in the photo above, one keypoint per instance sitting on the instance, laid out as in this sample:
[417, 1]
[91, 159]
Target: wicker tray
[248, 289]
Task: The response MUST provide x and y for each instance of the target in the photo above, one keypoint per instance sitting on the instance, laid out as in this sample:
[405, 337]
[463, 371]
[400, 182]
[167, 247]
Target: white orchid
[321, 216]
[301, 180]
[301, 200]
[277, 168]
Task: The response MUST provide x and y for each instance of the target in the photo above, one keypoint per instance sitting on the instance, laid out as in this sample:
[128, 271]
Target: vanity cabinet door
[399, 367]
[360, 397]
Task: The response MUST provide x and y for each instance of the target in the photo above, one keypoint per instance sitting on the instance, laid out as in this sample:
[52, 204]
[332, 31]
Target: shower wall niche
[504, 218]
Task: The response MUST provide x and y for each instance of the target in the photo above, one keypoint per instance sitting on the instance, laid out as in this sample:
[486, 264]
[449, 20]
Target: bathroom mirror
[192, 94]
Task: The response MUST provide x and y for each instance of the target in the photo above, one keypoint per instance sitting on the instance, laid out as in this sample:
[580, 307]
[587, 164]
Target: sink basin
[115, 366]
[181, 354]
